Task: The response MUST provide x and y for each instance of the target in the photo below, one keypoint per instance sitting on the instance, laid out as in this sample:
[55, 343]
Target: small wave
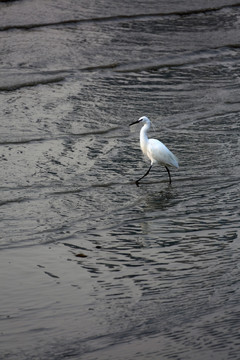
[17, 200]
[101, 67]
[97, 132]
[12, 85]
[185, 58]
[21, 141]
[121, 17]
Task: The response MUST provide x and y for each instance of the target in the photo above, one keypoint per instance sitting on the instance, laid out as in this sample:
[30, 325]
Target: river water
[93, 267]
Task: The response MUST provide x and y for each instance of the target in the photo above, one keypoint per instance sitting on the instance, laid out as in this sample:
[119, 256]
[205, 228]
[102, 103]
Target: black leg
[169, 175]
[137, 182]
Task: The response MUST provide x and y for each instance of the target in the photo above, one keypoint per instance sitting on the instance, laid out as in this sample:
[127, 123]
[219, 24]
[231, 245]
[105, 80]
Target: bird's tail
[175, 161]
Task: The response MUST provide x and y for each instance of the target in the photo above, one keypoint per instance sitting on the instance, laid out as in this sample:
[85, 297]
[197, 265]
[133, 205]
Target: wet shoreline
[93, 267]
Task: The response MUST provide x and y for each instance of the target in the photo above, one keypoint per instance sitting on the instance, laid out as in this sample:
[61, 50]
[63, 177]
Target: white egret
[155, 150]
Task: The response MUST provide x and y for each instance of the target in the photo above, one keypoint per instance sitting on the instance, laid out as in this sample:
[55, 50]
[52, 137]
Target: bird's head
[143, 119]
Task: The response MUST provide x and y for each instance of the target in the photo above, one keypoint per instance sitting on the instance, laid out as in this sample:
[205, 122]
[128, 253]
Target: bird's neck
[144, 138]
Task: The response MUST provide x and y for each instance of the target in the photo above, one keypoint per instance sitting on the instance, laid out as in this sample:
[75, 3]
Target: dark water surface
[93, 267]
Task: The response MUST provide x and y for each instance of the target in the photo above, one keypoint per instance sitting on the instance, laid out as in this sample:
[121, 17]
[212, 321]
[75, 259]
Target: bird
[155, 150]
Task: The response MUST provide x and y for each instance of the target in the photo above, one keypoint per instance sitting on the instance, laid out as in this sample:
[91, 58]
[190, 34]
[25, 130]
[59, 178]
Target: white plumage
[154, 149]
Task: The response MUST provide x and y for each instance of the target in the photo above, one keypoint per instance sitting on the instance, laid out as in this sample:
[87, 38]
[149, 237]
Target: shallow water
[91, 266]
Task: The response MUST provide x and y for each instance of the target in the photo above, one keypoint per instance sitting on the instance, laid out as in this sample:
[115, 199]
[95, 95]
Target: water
[93, 267]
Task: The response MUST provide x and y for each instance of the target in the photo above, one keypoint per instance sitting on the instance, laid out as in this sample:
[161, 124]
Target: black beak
[135, 122]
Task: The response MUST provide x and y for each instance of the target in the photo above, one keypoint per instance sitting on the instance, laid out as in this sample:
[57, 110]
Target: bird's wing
[158, 152]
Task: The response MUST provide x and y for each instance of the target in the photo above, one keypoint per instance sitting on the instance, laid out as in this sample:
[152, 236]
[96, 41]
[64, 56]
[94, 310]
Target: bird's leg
[169, 175]
[137, 182]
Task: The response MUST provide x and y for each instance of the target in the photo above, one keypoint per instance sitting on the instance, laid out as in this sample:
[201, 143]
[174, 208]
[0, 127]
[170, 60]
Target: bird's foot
[137, 183]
